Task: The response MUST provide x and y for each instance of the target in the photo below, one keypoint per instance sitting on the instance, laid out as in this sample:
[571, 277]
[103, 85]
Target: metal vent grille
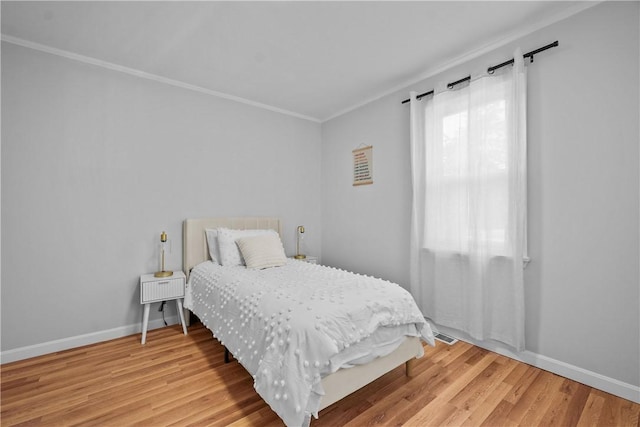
[446, 339]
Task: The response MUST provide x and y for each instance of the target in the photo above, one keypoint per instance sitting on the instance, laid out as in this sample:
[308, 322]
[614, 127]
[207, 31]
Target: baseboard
[80, 340]
[584, 376]
[575, 373]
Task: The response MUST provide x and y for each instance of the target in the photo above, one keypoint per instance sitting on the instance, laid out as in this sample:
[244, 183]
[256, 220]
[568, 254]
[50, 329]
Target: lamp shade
[163, 248]
[299, 236]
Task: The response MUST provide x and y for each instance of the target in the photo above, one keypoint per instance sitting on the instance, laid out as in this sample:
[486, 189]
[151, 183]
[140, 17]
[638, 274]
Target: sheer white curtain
[468, 237]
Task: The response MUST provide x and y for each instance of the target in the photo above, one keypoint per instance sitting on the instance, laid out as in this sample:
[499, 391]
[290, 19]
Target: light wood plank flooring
[182, 381]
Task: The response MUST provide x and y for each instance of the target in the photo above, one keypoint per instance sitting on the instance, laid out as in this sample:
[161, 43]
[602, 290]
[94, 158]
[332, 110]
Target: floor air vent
[446, 339]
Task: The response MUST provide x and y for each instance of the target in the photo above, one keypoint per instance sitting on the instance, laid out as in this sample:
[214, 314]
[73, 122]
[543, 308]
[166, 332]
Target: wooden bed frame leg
[410, 367]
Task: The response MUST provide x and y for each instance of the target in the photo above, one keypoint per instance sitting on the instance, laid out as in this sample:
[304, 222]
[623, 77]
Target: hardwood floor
[182, 380]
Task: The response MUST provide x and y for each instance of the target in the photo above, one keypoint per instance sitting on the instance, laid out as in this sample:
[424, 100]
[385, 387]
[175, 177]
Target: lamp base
[163, 274]
[299, 256]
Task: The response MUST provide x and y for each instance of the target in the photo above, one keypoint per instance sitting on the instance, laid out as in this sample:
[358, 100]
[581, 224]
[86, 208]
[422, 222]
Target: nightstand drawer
[159, 290]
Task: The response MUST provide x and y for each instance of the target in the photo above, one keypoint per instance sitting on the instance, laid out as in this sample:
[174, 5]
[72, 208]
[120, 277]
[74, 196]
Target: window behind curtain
[468, 222]
[467, 171]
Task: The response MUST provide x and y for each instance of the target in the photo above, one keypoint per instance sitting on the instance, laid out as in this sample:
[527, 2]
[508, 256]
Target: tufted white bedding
[291, 326]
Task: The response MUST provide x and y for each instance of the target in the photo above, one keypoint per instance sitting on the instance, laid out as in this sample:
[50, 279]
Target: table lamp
[299, 236]
[163, 248]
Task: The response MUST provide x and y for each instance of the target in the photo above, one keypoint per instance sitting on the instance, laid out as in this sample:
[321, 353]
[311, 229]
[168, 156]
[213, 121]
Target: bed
[234, 303]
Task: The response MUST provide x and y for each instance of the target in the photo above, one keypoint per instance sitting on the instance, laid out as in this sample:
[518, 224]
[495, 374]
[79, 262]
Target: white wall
[582, 285]
[95, 164]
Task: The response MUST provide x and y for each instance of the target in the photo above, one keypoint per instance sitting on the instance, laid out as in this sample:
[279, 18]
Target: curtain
[468, 225]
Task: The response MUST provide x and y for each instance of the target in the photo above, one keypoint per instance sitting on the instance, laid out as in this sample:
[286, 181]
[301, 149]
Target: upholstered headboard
[194, 242]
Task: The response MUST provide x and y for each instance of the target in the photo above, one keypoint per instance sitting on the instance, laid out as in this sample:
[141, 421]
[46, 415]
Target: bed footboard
[346, 381]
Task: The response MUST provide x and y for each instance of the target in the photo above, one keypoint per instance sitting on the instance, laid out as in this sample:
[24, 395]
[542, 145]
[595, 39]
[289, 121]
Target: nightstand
[309, 259]
[157, 289]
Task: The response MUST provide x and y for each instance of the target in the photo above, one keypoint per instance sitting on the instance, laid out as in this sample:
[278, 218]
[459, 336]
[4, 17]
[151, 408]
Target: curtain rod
[491, 69]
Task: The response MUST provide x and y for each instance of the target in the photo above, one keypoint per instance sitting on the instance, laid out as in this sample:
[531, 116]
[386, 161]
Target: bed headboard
[194, 242]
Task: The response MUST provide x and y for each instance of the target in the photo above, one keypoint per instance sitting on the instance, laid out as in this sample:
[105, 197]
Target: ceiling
[310, 59]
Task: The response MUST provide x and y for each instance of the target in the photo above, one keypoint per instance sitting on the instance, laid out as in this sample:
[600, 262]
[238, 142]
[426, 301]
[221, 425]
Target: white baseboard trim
[584, 376]
[80, 340]
[575, 373]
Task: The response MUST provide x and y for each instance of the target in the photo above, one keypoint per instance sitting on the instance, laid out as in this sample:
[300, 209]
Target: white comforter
[291, 326]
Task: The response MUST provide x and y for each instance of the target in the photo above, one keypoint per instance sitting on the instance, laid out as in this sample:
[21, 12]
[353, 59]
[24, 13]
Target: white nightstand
[156, 289]
[309, 259]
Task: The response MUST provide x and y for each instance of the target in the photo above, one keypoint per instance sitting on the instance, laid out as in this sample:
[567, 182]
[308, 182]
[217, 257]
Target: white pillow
[212, 243]
[262, 251]
[229, 251]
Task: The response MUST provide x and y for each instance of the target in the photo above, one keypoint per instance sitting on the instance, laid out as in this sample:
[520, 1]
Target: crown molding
[144, 75]
[442, 67]
[472, 54]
